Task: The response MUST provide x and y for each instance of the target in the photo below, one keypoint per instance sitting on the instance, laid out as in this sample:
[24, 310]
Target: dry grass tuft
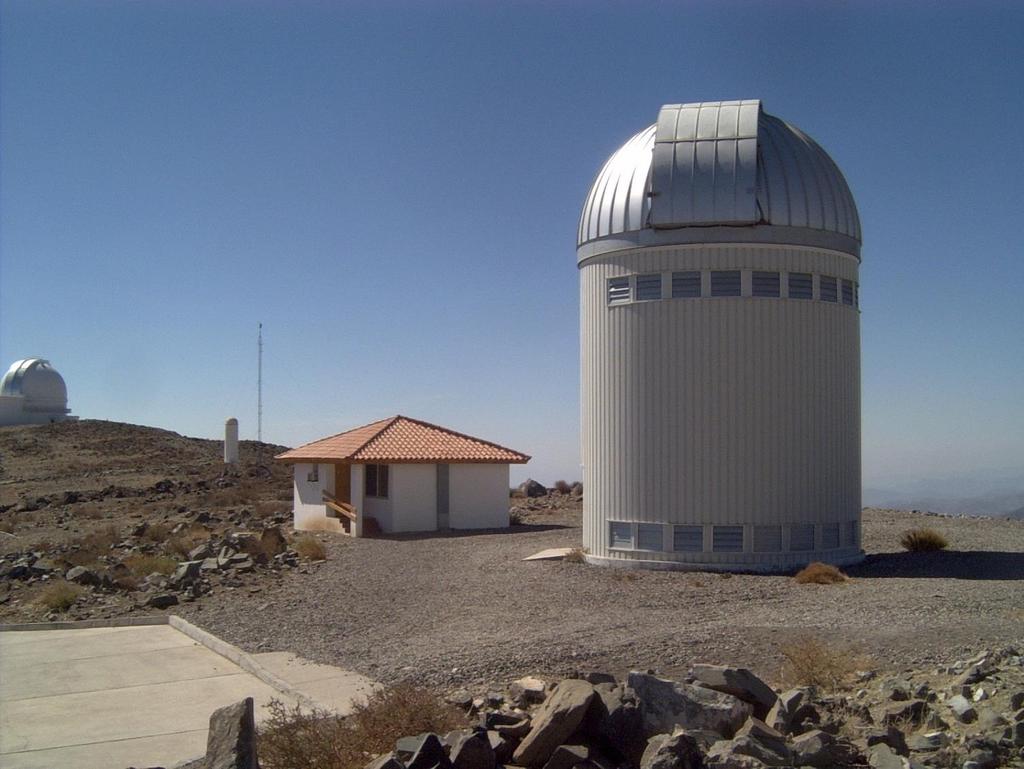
[309, 547]
[923, 541]
[158, 532]
[819, 573]
[181, 544]
[144, 565]
[60, 595]
[294, 739]
[576, 555]
[812, 661]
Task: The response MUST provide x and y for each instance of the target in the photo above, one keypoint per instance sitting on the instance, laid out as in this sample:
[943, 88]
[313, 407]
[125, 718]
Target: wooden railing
[344, 508]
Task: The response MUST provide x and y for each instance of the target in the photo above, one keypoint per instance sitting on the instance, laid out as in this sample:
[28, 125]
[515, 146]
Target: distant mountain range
[993, 493]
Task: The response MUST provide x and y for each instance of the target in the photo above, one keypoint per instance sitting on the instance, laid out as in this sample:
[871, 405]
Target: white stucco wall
[412, 499]
[310, 513]
[478, 496]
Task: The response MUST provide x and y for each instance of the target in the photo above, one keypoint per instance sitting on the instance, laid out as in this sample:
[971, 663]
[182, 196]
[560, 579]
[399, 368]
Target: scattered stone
[502, 746]
[82, 576]
[553, 723]
[387, 761]
[890, 736]
[162, 601]
[678, 750]
[962, 709]
[231, 741]
[1017, 700]
[568, 756]
[473, 751]
[530, 488]
[923, 743]
[615, 719]
[666, 704]
[428, 753]
[527, 690]
[739, 682]
[881, 756]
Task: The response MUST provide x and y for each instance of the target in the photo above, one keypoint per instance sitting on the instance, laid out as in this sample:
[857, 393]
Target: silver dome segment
[718, 172]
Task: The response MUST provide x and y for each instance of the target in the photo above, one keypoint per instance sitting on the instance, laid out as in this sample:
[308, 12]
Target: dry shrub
[158, 532]
[563, 487]
[309, 547]
[576, 555]
[60, 595]
[90, 511]
[127, 582]
[812, 661]
[819, 573]
[181, 544]
[515, 518]
[923, 540]
[143, 565]
[293, 739]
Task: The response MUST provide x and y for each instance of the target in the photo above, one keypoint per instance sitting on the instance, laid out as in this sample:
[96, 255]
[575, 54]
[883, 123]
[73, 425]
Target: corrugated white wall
[478, 496]
[719, 410]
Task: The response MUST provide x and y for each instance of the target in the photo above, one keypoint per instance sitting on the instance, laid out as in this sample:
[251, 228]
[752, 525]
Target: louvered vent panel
[764, 284]
[686, 285]
[829, 292]
[618, 290]
[648, 287]
[801, 285]
[649, 536]
[829, 536]
[728, 539]
[688, 539]
[801, 536]
[767, 539]
[848, 292]
[725, 283]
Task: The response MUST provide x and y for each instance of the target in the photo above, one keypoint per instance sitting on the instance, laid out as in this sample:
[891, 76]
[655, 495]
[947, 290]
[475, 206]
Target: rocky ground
[464, 611]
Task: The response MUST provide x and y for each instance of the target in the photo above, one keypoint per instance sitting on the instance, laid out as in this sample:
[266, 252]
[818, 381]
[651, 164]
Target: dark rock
[976, 673]
[45, 566]
[1017, 700]
[473, 751]
[387, 761]
[981, 759]
[553, 723]
[962, 709]
[881, 756]
[780, 715]
[186, 573]
[678, 750]
[890, 736]
[461, 699]
[760, 741]
[568, 756]
[71, 498]
[502, 746]
[429, 753]
[739, 682]
[527, 690]
[595, 677]
[231, 742]
[163, 487]
[272, 541]
[923, 743]
[531, 488]
[515, 731]
[821, 749]
[82, 576]
[913, 712]
[496, 718]
[162, 601]
[666, 704]
[199, 552]
[615, 720]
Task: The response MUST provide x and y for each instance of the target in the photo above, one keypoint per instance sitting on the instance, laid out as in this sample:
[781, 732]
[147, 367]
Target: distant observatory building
[719, 252]
[32, 392]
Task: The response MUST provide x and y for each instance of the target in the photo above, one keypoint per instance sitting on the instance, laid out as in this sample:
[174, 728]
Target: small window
[688, 539]
[848, 292]
[856, 295]
[767, 539]
[829, 536]
[686, 285]
[649, 537]
[618, 290]
[764, 284]
[621, 535]
[727, 539]
[313, 476]
[648, 287]
[801, 536]
[376, 481]
[801, 285]
[725, 283]
[853, 534]
[829, 292]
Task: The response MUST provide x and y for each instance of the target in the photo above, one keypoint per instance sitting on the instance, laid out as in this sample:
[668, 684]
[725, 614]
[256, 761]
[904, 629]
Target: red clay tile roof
[401, 439]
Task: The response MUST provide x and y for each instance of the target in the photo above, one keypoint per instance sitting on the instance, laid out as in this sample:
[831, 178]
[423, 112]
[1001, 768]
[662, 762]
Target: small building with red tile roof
[400, 475]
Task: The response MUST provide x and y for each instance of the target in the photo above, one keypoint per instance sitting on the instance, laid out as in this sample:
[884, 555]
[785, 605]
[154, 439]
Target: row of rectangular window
[688, 285]
[625, 535]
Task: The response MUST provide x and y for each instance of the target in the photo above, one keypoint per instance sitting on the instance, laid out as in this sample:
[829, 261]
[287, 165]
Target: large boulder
[667, 704]
[568, 756]
[821, 749]
[759, 740]
[530, 488]
[473, 751]
[739, 682]
[554, 722]
[678, 750]
[962, 709]
[231, 741]
[615, 721]
[427, 752]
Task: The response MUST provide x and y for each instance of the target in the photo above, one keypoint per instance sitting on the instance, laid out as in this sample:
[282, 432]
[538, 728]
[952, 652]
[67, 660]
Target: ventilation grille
[854, 533]
[618, 290]
[848, 292]
[649, 536]
[688, 539]
[801, 285]
[728, 539]
[725, 283]
[686, 285]
[801, 536]
[764, 284]
[829, 292]
[648, 287]
[767, 539]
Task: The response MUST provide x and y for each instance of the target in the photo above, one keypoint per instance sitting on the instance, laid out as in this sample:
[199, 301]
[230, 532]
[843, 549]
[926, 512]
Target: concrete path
[110, 698]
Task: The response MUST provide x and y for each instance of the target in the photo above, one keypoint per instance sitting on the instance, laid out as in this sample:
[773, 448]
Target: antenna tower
[259, 384]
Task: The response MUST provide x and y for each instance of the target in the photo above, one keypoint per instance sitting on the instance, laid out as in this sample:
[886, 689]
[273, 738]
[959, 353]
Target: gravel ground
[467, 611]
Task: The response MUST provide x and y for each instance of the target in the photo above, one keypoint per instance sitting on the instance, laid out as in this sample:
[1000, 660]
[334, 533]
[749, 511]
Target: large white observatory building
[718, 253]
[32, 392]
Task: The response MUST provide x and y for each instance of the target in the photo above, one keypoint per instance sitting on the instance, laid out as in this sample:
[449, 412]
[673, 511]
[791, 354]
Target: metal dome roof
[714, 172]
[38, 382]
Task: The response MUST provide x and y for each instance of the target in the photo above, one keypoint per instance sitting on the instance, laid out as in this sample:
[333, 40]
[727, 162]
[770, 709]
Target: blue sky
[393, 188]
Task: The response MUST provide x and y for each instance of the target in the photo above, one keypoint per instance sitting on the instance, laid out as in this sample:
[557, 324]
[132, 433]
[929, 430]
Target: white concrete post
[231, 442]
